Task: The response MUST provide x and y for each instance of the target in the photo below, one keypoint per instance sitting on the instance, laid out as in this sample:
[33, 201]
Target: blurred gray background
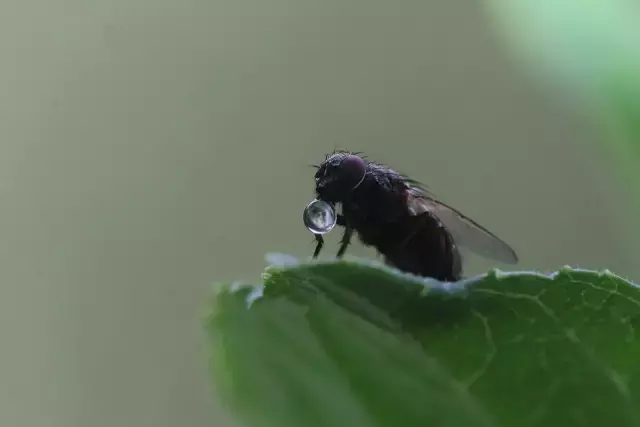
[149, 149]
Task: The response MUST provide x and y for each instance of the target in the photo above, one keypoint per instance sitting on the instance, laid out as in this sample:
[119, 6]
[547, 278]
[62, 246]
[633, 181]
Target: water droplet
[319, 217]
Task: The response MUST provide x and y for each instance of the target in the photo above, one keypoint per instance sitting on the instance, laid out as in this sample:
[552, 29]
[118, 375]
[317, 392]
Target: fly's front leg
[319, 245]
[320, 240]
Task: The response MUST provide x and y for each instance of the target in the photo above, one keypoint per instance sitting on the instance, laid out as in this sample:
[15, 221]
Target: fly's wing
[464, 230]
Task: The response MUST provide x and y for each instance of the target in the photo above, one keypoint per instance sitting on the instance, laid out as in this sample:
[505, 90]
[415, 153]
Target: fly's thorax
[371, 204]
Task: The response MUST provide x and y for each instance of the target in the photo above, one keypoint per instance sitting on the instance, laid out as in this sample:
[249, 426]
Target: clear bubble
[319, 217]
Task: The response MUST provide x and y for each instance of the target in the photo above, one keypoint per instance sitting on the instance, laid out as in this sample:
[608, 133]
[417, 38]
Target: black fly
[414, 231]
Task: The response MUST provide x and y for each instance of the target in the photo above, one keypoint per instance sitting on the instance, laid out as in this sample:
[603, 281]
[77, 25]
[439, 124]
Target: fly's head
[338, 176]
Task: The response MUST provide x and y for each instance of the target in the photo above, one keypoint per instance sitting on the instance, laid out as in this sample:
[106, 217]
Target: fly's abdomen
[422, 246]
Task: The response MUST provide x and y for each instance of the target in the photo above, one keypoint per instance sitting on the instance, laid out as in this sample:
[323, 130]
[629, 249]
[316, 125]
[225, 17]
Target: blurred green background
[151, 148]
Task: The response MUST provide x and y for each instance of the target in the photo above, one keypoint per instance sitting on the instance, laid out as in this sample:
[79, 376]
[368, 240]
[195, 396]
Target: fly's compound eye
[353, 170]
[319, 217]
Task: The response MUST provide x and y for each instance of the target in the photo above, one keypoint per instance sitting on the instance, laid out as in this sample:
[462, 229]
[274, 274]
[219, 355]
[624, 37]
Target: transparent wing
[465, 231]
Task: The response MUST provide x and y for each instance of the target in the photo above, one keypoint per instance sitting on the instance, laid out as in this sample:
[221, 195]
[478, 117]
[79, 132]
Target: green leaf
[354, 343]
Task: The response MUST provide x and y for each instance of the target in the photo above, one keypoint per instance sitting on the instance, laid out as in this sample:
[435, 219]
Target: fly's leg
[320, 240]
[346, 238]
[345, 241]
[319, 245]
